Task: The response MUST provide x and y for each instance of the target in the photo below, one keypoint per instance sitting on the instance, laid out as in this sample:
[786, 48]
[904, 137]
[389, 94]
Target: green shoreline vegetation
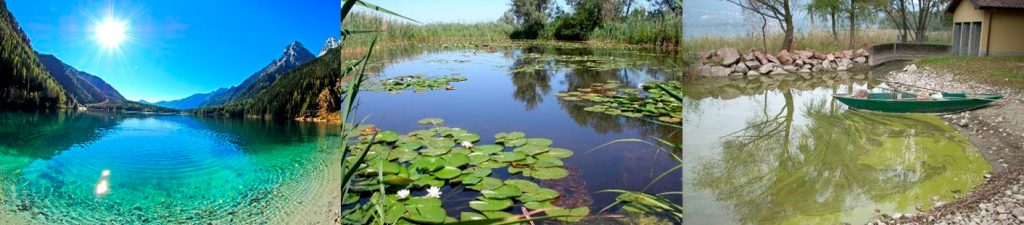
[998, 71]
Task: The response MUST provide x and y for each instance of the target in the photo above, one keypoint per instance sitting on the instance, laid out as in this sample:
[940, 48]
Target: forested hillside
[24, 82]
[294, 94]
[83, 87]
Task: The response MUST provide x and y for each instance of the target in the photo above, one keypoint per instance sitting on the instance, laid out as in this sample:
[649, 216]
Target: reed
[639, 30]
[819, 40]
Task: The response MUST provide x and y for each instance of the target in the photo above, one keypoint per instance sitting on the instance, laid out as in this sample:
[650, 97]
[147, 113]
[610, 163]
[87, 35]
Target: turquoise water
[163, 168]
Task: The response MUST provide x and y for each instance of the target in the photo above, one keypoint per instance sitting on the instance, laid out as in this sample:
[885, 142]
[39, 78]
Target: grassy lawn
[998, 71]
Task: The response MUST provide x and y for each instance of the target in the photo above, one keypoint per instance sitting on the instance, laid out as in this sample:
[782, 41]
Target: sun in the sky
[111, 32]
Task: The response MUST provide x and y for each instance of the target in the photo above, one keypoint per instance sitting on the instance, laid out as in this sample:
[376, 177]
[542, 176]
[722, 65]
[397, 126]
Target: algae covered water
[780, 150]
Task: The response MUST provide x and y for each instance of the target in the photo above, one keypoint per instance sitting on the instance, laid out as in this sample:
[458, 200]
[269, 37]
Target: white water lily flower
[403, 193]
[434, 192]
[466, 144]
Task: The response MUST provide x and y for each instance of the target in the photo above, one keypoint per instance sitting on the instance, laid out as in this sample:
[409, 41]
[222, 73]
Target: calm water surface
[173, 168]
[780, 150]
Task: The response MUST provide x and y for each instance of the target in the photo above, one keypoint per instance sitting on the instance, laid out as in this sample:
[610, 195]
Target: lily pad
[523, 185]
[538, 205]
[426, 214]
[455, 159]
[487, 204]
[470, 137]
[531, 149]
[435, 151]
[470, 216]
[549, 173]
[427, 163]
[508, 156]
[448, 172]
[574, 214]
[558, 153]
[488, 183]
[402, 155]
[387, 136]
[539, 195]
[496, 214]
[539, 141]
[488, 149]
[412, 145]
[503, 192]
[477, 158]
[548, 162]
[431, 120]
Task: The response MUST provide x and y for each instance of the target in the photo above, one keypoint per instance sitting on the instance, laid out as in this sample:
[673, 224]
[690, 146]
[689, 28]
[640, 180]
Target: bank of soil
[997, 131]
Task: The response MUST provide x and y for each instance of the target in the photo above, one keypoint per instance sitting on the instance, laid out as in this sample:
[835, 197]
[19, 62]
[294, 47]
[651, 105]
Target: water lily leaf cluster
[442, 156]
[610, 98]
[417, 83]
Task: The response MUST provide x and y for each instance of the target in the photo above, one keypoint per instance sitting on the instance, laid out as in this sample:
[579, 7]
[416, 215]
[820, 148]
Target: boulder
[848, 53]
[729, 56]
[805, 70]
[752, 64]
[799, 62]
[778, 71]
[861, 59]
[910, 68]
[716, 60]
[862, 52]
[841, 68]
[740, 68]
[705, 55]
[753, 73]
[789, 68]
[785, 58]
[805, 54]
[830, 57]
[760, 57]
[717, 71]
[806, 66]
[748, 56]
[766, 68]
[771, 59]
[819, 56]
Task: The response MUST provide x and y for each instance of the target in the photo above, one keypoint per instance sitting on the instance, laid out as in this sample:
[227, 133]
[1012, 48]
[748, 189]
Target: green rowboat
[908, 103]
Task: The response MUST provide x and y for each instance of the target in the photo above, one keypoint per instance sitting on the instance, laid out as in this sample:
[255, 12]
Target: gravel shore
[997, 131]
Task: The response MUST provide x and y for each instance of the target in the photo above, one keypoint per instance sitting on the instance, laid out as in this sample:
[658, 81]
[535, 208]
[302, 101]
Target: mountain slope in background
[24, 82]
[294, 55]
[308, 91]
[84, 87]
[189, 102]
[331, 43]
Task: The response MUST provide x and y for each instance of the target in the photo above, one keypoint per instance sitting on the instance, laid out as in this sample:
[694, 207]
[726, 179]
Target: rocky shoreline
[729, 62]
[997, 131]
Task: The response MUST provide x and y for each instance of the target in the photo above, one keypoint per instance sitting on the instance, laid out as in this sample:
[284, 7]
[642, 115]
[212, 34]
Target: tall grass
[819, 40]
[399, 31]
[637, 29]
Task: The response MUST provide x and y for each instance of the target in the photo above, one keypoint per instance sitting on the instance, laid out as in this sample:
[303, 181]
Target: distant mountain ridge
[294, 55]
[190, 102]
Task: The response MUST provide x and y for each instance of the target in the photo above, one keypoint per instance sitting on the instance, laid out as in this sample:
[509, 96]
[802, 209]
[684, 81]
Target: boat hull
[936, 106]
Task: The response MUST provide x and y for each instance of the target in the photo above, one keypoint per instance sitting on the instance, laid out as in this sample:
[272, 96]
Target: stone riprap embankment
[729, 62]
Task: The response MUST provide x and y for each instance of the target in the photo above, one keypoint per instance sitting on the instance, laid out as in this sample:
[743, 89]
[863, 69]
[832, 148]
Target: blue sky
[446, 10]
[176, 48]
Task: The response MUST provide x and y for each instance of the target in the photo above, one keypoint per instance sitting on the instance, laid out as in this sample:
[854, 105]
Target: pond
[780, 150]
[196, 169]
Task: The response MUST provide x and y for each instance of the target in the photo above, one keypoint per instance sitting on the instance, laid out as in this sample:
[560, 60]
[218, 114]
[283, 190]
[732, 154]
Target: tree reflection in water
[777, 171]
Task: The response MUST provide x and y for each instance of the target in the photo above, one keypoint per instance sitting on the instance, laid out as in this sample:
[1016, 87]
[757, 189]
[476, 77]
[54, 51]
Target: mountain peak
[331, 43]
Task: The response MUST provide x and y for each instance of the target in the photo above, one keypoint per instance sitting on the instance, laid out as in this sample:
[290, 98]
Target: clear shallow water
[782, 151]
[163, 168]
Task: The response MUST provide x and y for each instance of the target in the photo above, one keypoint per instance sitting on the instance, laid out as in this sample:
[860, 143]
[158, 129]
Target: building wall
[1007, 31]
[965, 12]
